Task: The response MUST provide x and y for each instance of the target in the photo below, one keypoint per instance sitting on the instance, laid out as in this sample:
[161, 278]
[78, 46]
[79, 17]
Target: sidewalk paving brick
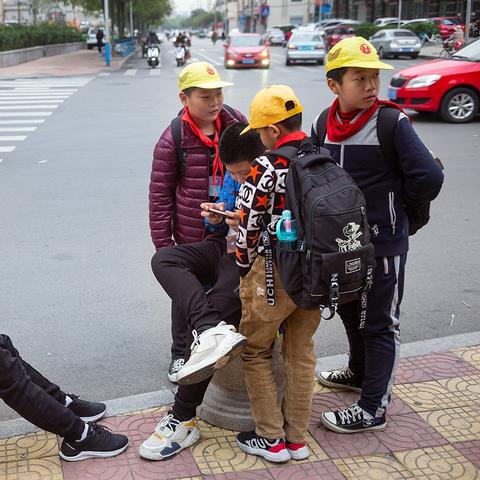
[433, 433]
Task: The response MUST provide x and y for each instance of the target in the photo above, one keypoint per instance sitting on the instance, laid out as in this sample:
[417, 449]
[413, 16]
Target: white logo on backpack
[350, 230]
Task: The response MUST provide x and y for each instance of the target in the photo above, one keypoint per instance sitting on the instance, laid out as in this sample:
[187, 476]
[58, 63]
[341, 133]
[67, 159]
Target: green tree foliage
[13, 37]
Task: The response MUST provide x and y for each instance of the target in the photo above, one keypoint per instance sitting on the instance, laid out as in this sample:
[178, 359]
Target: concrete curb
[165, 396]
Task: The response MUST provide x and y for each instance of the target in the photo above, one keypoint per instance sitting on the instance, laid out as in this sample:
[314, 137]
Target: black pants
[34, 397]
[183, 271]
[100, 45]
[375, 350]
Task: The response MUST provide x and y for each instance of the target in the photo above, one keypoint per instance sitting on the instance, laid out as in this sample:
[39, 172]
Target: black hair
[189, 91]
[234, 147]
[337, 74]
[293, 123]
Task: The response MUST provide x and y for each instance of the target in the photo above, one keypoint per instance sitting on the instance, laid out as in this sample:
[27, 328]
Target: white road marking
[25, 114]
[20, 122]
[17, 129]
[28, 98]
[7, 149]
[131, 72]
[12, 138]
[42, 161]
[30, 102]
[155, 73]
[104, 74]
[210, 59]
[23, 107]
[39, 91]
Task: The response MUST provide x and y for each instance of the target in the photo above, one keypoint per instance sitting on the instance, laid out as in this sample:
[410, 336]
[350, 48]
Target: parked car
[305, 46]
[275, 36]
[335, 34]
[332, 22]
[450, 87]
[246, 50]
[395, 42]
[445, 26]
[384, 21]
[92, 37]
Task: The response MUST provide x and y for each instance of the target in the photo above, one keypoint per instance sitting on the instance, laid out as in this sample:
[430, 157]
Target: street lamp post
[468, 18]
[399, 12]
[107, 32]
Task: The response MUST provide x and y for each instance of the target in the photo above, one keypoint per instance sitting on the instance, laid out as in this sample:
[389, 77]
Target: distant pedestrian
[100, 35]
[44, 404]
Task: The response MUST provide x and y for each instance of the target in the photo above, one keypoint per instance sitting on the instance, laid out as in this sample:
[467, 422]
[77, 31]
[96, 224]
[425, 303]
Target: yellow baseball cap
[272, 105]
[354, 52]
[201, 75]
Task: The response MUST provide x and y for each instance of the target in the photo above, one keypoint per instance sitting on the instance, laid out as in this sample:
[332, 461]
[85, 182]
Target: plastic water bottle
[286, 231]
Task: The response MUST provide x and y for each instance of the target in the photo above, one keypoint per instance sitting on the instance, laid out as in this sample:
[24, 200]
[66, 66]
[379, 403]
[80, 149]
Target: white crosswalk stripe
[27, 103]
[131, 72]
[155, 73]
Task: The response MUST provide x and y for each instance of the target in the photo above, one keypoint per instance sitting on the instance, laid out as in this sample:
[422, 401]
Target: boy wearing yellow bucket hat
[280, 432]
[375, 143]
[187, 171]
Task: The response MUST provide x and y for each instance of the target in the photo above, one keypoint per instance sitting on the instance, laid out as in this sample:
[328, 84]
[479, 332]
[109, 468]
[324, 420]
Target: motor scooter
[180, 55]
[153, 55]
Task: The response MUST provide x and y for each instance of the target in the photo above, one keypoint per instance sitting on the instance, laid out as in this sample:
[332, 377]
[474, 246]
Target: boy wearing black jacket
[390, 188]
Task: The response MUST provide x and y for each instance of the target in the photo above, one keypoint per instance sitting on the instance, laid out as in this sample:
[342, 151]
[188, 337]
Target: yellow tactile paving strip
[451, 406]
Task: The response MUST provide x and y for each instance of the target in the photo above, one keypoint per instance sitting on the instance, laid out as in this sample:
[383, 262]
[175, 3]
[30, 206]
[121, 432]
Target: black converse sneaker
[271, 450]
[175, 366]
[343, 378]
[87, 411]
[352, 420]
[100, 442]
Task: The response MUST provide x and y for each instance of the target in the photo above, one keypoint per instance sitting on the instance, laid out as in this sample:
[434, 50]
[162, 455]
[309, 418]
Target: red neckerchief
[291, 137]
[207, 141]
[338, 132]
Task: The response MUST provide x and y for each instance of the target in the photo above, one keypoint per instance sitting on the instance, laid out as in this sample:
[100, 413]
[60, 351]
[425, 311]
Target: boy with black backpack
[280, 433]
[375, 143]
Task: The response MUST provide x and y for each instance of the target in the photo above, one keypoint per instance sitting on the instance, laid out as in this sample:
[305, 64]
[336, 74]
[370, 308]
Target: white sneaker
[211, 350]
[175, 365]
[170, 437]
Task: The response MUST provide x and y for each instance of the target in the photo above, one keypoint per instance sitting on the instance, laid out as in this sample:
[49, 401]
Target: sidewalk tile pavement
[433, 434]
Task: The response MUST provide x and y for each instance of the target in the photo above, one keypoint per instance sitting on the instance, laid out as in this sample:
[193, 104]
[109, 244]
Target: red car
[337, 33]
[246, 50]
[450, 87]
[445, 25]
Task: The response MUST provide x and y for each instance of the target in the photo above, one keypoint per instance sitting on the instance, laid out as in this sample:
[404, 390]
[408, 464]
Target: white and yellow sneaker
[211, 350]
[170, 437]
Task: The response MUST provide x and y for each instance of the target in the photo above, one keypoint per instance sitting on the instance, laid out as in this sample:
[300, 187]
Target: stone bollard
[226, 402]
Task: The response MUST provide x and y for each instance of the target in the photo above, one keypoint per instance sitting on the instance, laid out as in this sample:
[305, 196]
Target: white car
[383, 22]
[92, 37]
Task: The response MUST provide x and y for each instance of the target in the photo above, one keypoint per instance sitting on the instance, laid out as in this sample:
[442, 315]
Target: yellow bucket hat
[354, 52]
[272, 105]
[201, 75]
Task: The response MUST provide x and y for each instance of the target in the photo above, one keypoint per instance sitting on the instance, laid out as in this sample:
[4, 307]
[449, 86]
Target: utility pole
[131, 19]
[106, 21]
[399, 12]
[468, 18]
[251, 16]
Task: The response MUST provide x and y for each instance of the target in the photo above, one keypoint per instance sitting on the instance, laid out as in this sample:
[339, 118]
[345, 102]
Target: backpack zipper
[393, 213]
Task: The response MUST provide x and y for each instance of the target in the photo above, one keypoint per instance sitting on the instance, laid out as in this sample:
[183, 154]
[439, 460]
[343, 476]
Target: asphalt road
[77, 293]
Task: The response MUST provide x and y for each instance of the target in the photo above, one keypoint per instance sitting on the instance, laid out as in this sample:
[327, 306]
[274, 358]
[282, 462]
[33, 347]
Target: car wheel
[381, 53]
[89, 47]
[414, 56]
[320, 62]
[288, 62]
[460, 105]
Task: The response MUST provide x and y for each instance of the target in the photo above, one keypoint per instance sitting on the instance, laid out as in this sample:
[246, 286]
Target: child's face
[203, 104]
[358, 90]
[239, 170]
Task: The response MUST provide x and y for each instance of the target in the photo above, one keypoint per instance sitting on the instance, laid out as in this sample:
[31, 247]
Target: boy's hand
[211, 217]
[233, 219]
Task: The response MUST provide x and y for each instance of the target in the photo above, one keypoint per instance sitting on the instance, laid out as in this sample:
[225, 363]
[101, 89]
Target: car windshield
[446, 21]
[456, 21]
[344, 31]
[403, 33]
[470, 53]
[305, 37]
[240, 41]
[276, 32]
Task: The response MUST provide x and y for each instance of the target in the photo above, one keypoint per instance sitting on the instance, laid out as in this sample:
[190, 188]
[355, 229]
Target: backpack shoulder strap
[386, 124]
[176, 126]
[287, 151]
[320, 126]
[230, 110]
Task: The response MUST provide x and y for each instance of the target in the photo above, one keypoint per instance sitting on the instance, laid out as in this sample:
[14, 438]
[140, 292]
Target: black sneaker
[87, 411]
[271, 450]
[343, 378]
[100, 442]
[175, 366]
[353, 420]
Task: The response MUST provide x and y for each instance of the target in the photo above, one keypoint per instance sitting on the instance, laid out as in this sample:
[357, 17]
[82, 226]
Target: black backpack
[176, 126]
[334, 259]
[386, 124]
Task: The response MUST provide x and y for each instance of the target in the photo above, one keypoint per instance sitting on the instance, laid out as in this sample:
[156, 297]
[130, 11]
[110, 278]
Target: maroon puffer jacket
[175, 204]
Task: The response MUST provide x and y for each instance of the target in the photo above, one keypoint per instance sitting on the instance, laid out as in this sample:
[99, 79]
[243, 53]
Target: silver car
[396, 42]
[305, 46]
[275, 36]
